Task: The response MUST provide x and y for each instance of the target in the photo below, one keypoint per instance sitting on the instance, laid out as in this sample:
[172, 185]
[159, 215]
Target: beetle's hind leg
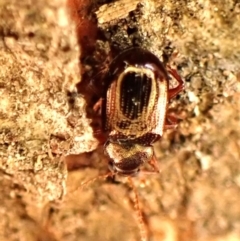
[175, 91]
[171, 122]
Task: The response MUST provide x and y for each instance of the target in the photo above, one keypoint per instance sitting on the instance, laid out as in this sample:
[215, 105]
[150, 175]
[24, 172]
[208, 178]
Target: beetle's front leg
[153, 164]
[97, 122]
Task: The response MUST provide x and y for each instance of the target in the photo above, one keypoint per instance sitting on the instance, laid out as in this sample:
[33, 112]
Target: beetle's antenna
[92, 180]
[142, 228]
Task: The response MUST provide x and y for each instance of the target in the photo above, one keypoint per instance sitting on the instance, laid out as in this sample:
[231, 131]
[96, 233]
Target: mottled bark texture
[197, 194]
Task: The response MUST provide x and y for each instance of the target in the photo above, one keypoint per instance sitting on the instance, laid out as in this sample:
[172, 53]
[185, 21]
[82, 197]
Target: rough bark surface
[196, 196]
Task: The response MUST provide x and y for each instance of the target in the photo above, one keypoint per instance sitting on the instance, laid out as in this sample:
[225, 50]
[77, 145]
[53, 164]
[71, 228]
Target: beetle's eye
[136, 172]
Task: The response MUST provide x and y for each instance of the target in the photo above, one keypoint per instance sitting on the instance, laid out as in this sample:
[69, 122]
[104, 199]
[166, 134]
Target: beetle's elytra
[134, 97]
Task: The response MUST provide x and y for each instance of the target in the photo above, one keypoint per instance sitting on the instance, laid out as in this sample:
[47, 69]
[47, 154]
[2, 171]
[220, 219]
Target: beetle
[133, 99]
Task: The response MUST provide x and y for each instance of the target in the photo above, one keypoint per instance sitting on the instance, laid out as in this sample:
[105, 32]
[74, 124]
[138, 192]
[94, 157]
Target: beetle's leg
[100, 136]
[153, 163]
[96, 123]
[98, 132]
[98, 105]
[171, 122]
[173, 92]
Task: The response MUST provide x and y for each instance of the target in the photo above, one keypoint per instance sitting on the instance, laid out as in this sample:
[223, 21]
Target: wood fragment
[116, 10]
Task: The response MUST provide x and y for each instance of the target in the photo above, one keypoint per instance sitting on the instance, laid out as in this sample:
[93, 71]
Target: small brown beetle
[134, 99]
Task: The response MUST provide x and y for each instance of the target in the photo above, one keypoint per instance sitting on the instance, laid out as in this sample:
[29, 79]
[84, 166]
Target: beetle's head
[125, 159]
